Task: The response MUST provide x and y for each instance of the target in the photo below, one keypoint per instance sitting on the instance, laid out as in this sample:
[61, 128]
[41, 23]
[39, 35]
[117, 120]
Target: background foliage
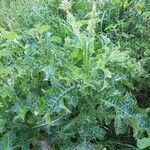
[74, 74]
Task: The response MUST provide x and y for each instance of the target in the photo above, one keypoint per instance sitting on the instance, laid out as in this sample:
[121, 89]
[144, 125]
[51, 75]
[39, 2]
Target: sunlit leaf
[10, 35]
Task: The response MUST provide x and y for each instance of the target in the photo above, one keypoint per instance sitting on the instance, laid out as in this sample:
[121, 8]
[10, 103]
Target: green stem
[87, 56]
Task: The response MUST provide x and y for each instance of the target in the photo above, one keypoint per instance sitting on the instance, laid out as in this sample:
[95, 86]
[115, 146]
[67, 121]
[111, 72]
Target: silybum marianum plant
[72, 93]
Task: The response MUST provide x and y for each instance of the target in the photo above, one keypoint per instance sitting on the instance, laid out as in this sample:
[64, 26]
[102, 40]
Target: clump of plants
[71, 91]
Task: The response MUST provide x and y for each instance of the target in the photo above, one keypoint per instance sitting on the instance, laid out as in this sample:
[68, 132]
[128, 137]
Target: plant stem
[87, 56]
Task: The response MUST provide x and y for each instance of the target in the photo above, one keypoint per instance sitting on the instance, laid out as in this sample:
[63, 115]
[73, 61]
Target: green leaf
[43, 28]
[5, 91]
[107, 73]
[32, 31]
[4, 53]
[67, 43]
[74, 53]
[38, 29]
[56, 39]
[22, 113]
[105, 85]
[2, 125]
[143, 143]
[2, 29]
[6, 142]
[49, 72]
[62, 105]
[127, 83]
[98, 132]
[118, 56]
[77, 54]
[10, 35]
[126, 3]
[48, 119]
[119, 124]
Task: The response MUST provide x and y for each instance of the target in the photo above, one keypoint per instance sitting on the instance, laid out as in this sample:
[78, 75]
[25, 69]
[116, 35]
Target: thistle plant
[69, 91]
